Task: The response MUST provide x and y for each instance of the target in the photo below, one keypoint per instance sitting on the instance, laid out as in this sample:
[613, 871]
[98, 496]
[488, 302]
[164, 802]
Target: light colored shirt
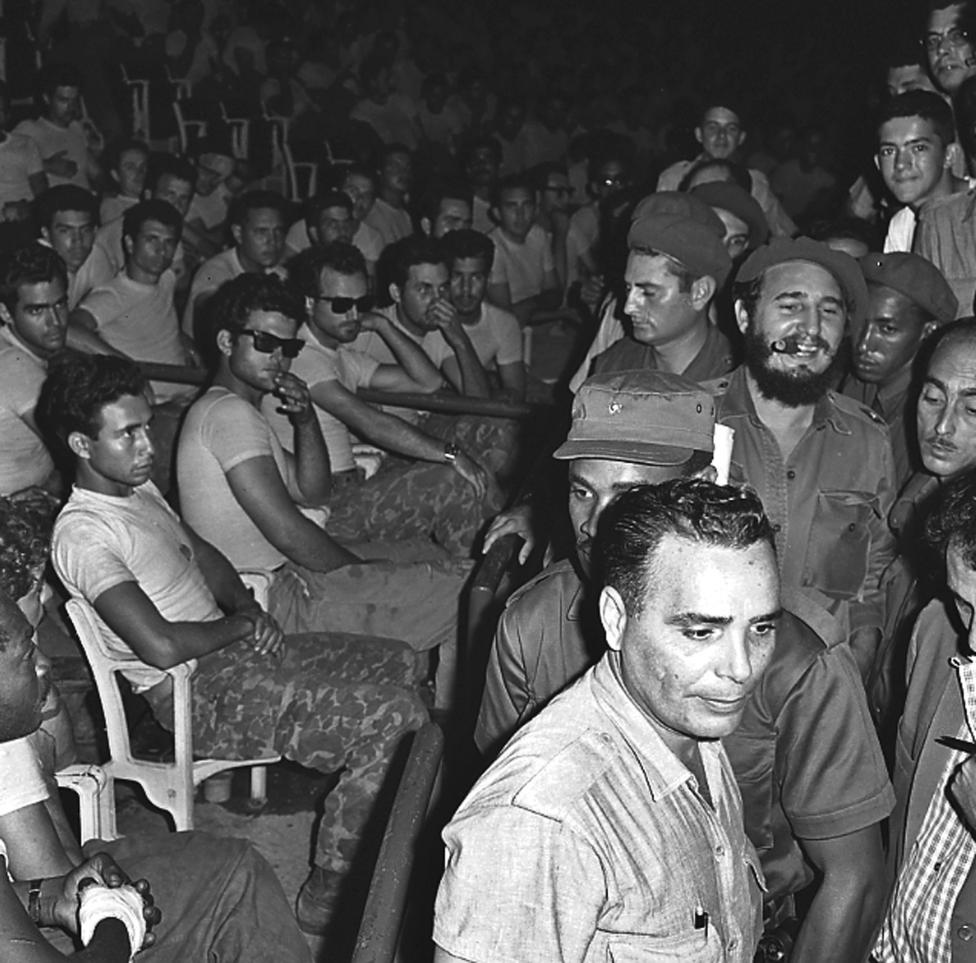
[496, 337]
[101, 541]
[52, 139]
[24, 458]
[522, 266]
[916, 926]
[19, 160]
[391, 223]
[589, 840]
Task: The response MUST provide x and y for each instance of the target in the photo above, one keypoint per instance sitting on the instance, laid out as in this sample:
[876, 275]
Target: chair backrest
[379, 931]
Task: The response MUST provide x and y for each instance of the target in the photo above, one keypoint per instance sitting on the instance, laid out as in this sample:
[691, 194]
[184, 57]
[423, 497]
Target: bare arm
[83, 335]
[259, 488]
[844, 913]
[35, 847]
[313, 470]
[231, 593]
[466, 374]
[442, 956]
[512, 377]
[409, 355]
[37, 183]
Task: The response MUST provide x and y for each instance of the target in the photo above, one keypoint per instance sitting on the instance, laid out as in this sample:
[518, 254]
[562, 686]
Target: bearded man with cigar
[821, 462]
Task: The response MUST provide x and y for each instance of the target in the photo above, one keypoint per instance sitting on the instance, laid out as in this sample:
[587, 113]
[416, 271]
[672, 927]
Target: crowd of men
[737, 720]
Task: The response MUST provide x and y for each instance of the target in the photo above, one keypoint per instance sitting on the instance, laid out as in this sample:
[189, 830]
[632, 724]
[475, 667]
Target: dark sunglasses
[269, 343]
[342, 305]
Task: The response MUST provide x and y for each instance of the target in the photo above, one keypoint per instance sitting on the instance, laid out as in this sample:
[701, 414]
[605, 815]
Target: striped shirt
[916, 925]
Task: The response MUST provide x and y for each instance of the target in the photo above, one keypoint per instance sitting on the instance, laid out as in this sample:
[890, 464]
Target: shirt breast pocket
[840, 543]
[695, 946]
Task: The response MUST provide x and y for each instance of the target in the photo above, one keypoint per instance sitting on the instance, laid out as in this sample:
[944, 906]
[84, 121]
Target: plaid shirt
[916, 925]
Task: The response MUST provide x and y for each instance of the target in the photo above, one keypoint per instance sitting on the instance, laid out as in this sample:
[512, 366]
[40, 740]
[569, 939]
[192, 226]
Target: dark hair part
[924, 104]
[738, 173]
[169, 165]
[33, 264]
[257, 201]
[952, 523]
[306, 269]
[65, 197]
[635, 523]
[234, 301]
[151, 210]
[25, 540]
[76, 389]
[416, 249]
[467, 243]
[429, 205]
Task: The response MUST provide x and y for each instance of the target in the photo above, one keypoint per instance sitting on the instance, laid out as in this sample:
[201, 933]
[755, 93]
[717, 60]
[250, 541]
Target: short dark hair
[65, 197]
[60, 75]
[120, 147]
[32, 264]
[234, 301]
[169, 165]
[962, 329]
[314, 206]
[78, 386]
[430, 202]
[924, 104]
[305, 270]
[635, 523]
[952, 522]
[151, 210]
[25, 540]
[521, 181]
[258, 200]
[738, 173]
[467, 243]
[416, 249]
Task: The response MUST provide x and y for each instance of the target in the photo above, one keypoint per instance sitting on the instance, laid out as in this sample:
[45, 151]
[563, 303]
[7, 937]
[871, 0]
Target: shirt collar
[665, 773]
[738, 401]
[10, 336]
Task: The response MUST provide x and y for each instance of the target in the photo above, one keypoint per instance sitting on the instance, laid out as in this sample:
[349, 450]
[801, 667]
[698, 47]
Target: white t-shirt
[316, 364]
[901, 231]
[108, 256]
[391, 223]
[210, 209]
[140, 320]
[24, 458]
[366, 238]
[496, 337]
[101, 541]
[523, 266]
[19, 159]
[52, 139]
[21, 781]
[220, 432]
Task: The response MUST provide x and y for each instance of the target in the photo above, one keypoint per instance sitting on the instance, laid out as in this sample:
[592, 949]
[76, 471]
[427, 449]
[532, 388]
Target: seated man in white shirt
[257, 224]
[22, 176]
[127, 165]
[61, 139]
[523, 277]
[134, 314]
[68, 217]
[445, 206]
[328, 218]
[389, 215]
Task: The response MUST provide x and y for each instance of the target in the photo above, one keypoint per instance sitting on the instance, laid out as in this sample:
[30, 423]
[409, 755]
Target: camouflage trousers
[407, 498]
[332, 702]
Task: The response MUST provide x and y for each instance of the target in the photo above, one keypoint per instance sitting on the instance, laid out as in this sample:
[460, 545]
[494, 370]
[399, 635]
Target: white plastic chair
[138, 88]
[96, 799]
[169, 786]
[184, 126]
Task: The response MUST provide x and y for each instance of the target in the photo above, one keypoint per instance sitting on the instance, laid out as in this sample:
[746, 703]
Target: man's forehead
[428, 273]
[41, 292]
[799, 274]
[125, 410]
[66, 93]
[944, 17]
[469, 265]
[954, 363]
[454, 205]
[274, 322]
[331, 280]
[71, 219]
[623, 473]
[720, 115]
[264, 216]
[516, 195]
[886, 302]
[338, 213]
[910, 127]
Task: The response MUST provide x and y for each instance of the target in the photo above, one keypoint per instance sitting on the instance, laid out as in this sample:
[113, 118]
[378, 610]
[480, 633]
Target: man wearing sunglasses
[439, 492]
[261, 504]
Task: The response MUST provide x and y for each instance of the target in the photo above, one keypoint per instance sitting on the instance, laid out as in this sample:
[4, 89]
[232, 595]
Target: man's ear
[952, 154]
[313, 234]
[79, 444]
[741, 316]
[127, 244]
[877, 161]
[927, 328]
[613, 615]
[236, 233]
[426, 226]
[46, 234]
[225, 342]
[698, 135]
[394, 293]
[309, 305]
[5, 315]
[702, 291]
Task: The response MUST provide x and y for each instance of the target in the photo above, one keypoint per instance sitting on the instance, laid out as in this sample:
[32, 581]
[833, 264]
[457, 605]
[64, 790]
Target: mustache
[792, 344]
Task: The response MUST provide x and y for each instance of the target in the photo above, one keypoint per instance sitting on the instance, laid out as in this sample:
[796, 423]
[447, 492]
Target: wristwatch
[34, 900]
[451, 451]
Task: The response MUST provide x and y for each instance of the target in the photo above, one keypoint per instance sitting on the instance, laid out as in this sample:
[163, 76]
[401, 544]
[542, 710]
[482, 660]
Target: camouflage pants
[408, 498]
[333, 702]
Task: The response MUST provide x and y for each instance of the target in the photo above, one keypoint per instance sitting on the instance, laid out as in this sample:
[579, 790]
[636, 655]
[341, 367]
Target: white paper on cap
[722, 438]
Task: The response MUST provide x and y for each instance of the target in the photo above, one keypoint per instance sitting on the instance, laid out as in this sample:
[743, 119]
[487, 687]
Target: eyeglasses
[269, 343]
[341, 305]
[953, 37]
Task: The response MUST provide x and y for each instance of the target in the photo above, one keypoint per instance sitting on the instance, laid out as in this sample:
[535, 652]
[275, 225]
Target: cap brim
[636, 452]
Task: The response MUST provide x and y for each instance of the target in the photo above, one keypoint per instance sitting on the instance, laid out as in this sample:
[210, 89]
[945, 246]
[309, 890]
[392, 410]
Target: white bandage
[122, 903]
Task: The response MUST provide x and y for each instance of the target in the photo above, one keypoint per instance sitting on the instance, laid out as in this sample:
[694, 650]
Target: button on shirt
[588, 840]
[828, 501]
[917, 925]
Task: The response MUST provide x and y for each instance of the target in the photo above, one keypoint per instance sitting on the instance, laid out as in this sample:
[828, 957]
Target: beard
[793, 389]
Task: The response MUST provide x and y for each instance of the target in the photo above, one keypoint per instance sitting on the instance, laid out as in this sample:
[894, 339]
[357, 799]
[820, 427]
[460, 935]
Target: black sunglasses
[342, 305]
[269, 343]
